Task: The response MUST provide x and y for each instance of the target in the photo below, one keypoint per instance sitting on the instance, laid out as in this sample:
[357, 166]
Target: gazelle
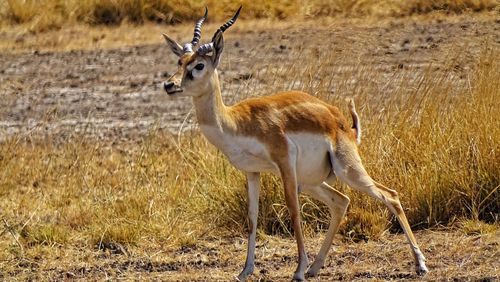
[304, 140]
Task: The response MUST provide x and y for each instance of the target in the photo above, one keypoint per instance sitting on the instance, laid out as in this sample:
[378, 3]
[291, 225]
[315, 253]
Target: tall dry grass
[427, 134]
[43, 15]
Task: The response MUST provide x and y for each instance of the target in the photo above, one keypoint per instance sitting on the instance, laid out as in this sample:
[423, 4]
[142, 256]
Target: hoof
[240, 278]
[312, 272]
[244, 274]
[298, 276]
[422, 270]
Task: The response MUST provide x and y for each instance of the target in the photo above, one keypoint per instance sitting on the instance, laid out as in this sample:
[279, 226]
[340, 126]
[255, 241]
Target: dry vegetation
[58, 13]
[434, 139]
[79, 207]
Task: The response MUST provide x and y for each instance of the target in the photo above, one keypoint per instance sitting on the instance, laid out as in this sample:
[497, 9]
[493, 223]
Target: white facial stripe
[197, 73]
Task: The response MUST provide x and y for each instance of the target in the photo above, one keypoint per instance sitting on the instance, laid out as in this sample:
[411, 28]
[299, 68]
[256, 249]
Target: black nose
[168, 86]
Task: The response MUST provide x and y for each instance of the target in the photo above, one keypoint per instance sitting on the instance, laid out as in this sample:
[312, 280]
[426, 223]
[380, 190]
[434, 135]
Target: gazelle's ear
[174, 46]
[218, 43]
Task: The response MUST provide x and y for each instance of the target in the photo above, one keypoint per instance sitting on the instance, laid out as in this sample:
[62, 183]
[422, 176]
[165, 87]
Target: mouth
[173, 91]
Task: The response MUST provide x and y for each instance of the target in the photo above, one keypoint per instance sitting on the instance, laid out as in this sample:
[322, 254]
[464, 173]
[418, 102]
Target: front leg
[253, 188]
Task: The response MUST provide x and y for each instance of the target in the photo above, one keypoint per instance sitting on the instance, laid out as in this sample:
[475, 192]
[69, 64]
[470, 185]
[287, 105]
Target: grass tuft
[476, 227]
[45, 15]
[429, 135]
[50, 234]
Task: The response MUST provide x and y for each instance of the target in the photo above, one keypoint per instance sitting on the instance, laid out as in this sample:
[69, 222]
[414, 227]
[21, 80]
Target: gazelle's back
[287, 113]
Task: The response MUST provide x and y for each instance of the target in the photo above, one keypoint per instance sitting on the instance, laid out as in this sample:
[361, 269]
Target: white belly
[250, 155]
[312, 164]
[245, 153]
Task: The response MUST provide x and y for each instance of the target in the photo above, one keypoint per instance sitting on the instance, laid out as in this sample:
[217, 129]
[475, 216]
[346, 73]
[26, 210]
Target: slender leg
[394, 205]
[253, 211]
[349, 169]
[337, 203]
[288, 175]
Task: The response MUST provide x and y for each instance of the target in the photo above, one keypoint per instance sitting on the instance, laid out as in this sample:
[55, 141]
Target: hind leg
[289, 178]
[348, 168]
[337, 204]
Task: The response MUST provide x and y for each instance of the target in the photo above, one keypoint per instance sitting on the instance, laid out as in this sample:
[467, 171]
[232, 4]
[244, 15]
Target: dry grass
[59, 13]
[431, 137]
[430, 134]
[450, 257]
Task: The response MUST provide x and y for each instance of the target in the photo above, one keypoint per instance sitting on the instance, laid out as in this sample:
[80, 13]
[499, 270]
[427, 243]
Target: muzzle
[171, 88]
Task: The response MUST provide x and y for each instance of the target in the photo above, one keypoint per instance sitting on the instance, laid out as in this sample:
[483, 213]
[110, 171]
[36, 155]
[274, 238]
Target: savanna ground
[102, 176]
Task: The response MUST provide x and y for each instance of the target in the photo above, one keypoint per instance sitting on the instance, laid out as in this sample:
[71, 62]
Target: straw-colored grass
[52, 14]
[432, 134]
[431, 137]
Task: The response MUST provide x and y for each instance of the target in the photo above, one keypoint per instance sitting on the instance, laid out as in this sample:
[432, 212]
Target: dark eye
[199, 66]
[179, 63]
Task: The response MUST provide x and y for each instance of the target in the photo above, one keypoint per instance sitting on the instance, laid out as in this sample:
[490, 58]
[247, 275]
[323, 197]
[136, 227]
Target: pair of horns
[207, 48]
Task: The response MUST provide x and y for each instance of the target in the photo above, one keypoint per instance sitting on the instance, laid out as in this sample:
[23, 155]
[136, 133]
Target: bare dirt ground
[116, 94]
[450, 257]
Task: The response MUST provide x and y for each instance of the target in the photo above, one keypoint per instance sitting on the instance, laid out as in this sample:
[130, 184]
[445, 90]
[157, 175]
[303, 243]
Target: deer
[304, 140]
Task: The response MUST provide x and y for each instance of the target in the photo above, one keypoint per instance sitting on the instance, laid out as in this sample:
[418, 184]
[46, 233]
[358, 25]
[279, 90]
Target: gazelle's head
[196, 66]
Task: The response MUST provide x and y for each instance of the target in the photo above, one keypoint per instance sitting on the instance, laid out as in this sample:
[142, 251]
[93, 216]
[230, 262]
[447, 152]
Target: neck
[210, 109]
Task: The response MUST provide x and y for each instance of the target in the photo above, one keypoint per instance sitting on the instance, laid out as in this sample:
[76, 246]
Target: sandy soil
[450, 257]
[116, 94]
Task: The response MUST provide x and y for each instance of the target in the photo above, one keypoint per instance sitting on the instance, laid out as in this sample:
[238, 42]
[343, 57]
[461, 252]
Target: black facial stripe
[190, 75]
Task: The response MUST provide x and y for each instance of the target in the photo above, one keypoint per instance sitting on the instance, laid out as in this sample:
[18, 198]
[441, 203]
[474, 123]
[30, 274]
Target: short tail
[356, 124]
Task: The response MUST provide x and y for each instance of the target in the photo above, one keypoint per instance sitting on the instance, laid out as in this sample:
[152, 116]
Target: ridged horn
[197, 28]
[188, 47]
[209, 47]
[205, 49]
[230, 22]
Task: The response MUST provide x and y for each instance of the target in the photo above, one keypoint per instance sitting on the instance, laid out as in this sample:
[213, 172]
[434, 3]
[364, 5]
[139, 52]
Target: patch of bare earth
[116, 94]
[451, 256]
